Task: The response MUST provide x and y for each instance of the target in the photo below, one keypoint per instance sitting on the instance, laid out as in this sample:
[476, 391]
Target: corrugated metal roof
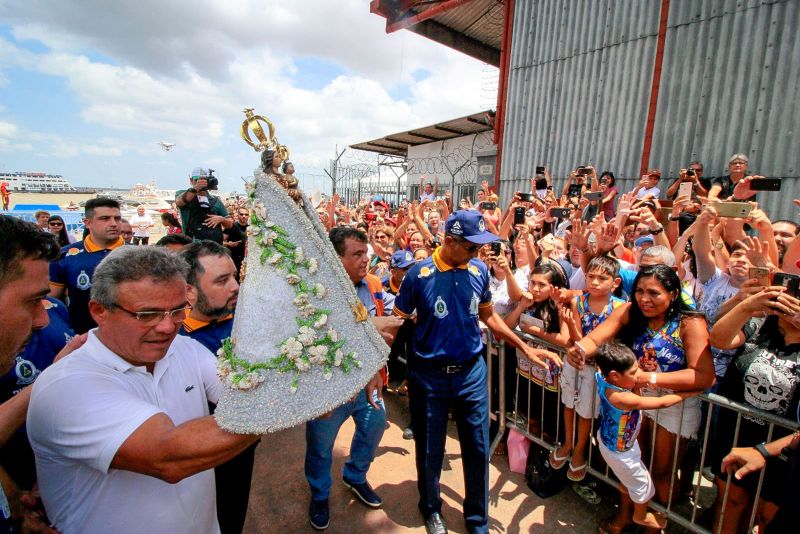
[397, 144]
[580, 81]
[480, 19]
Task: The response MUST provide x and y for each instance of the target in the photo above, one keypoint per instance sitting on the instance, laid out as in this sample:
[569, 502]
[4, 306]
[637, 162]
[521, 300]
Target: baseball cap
[644, 240]
[469, 225]
[402, 259]
[199, 172]
[381, 203]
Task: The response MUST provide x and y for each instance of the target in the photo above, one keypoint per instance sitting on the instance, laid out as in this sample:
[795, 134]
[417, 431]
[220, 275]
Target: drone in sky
[166, 147]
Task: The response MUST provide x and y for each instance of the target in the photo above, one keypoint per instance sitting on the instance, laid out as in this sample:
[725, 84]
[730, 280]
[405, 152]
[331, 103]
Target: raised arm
[706, 266]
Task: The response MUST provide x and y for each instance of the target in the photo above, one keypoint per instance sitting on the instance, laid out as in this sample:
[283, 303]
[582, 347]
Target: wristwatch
[674, 218]
[761, 447]
[657, 231]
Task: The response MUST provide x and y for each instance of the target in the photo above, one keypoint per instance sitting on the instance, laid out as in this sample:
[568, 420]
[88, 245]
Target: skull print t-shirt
[764, 374]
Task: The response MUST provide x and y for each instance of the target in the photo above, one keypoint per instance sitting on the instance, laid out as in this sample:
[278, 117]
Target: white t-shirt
[141, 225]
[82, 410]
[648, 191]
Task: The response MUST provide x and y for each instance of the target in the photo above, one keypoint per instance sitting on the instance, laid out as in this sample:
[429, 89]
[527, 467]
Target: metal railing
[521, 420]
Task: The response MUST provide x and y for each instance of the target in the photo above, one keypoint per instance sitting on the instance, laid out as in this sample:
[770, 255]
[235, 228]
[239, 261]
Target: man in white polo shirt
[121, 431]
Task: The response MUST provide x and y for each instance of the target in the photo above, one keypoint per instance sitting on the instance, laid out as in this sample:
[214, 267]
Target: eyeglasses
[152, 318]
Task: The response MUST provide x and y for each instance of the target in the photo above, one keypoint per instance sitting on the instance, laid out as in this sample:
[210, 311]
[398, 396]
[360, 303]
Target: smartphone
[581, 171]
[539, 170]
[526, 197]
[733, 209]
[790, 281]
[690, 172]
[496, 248]
[560, 213]
[370, 216]
[519, 215]
[593, 195]
[685, 189]
[761, 274]
[491, 206]
[574, 190]
[766, 184]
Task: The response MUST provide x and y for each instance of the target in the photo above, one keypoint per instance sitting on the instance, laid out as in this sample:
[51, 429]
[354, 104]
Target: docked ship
[39, 182]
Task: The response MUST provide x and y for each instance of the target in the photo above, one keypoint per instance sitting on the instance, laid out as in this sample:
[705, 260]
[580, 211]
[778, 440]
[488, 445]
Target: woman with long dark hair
[609, 188]
[56, 226]
[671, 344]
[171, 223]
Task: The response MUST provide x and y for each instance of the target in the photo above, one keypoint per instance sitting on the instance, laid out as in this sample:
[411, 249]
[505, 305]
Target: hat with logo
[402, 259]
[199, 172]
[644, 240]
[469, 225]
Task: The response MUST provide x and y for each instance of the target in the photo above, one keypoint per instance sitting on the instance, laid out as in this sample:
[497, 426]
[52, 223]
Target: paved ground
[279, 497]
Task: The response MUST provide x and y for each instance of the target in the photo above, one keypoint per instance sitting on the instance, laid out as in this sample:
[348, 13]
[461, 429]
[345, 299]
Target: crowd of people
[653, 298]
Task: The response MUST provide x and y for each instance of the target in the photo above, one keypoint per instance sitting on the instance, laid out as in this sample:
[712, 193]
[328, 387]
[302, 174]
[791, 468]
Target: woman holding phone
[671, 344]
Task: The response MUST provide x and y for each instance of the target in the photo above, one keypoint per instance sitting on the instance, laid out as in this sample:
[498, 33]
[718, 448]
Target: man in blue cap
[450, 294]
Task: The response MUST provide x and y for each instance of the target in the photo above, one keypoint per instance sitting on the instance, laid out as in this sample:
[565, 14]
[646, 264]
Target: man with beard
[785, 232]
[212, 291]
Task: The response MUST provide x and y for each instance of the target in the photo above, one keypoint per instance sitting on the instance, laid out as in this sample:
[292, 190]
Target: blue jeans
[321, 434]
[431, 392]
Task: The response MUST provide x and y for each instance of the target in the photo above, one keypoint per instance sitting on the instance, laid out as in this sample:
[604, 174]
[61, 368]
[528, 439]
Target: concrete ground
[279, 497]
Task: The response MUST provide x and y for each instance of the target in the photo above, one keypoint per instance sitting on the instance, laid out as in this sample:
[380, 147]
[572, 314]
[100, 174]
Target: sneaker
[318, 514]
[364, 492]
[408, 433]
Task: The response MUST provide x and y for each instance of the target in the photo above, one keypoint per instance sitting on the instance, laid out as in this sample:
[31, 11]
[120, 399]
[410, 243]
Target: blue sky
[88, 89]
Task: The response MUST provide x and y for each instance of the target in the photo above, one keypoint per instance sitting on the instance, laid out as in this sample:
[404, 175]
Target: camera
[213, 181]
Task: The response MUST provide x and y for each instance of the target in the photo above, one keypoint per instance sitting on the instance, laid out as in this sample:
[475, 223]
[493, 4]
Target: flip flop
[556, 461]
[587, 493]
[580, 469]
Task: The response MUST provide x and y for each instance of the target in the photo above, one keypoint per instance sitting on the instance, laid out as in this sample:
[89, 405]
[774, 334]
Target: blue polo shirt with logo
[210, 335]
[39, 352]
[74, 271]
[447, 300]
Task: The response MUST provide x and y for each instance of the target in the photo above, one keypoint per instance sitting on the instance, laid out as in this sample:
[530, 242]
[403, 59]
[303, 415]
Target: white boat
[37, 182]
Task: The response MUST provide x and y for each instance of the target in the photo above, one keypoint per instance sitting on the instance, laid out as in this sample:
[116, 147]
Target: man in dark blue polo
[212, 291]
[450, 294]
[71, 275]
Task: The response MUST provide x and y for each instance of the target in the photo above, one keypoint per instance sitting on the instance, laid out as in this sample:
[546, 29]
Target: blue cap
[644, 240]
[469, 225]
[402, 259]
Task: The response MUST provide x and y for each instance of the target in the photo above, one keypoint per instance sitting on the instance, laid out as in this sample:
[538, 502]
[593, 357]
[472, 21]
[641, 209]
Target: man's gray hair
[662, 253]
[131, 264]
[742, 157]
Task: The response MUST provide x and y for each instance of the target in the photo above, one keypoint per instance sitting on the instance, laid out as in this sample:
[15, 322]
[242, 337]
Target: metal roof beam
[396, 140]
[407, 21]
[447, 36]
[423, 136]
[449, 130]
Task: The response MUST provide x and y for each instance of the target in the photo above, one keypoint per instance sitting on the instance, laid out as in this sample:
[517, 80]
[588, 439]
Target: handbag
[518, 447]
[542, 479]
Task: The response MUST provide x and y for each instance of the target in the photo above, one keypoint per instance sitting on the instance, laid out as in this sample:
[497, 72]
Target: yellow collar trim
[392, 286]
[441, 265]
[91, 246]
[190, 324]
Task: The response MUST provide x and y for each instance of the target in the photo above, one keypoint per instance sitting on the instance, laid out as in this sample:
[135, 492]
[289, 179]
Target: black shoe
[408, 433]
[364, 492]
[435, 524]
[318, 514]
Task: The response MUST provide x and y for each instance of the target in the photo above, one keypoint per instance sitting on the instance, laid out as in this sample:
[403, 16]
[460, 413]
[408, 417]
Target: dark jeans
[233, 490]
[431, 393]
[140, 240]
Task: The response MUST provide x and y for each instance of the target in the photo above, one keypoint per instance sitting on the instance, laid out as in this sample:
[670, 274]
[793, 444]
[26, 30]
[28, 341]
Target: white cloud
[183, 72]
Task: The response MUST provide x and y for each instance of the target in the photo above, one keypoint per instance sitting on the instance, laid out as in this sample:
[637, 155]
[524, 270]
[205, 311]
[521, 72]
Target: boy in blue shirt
[620, 419]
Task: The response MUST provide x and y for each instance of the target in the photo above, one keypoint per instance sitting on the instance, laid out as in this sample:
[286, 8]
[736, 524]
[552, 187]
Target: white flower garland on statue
[313, 344]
